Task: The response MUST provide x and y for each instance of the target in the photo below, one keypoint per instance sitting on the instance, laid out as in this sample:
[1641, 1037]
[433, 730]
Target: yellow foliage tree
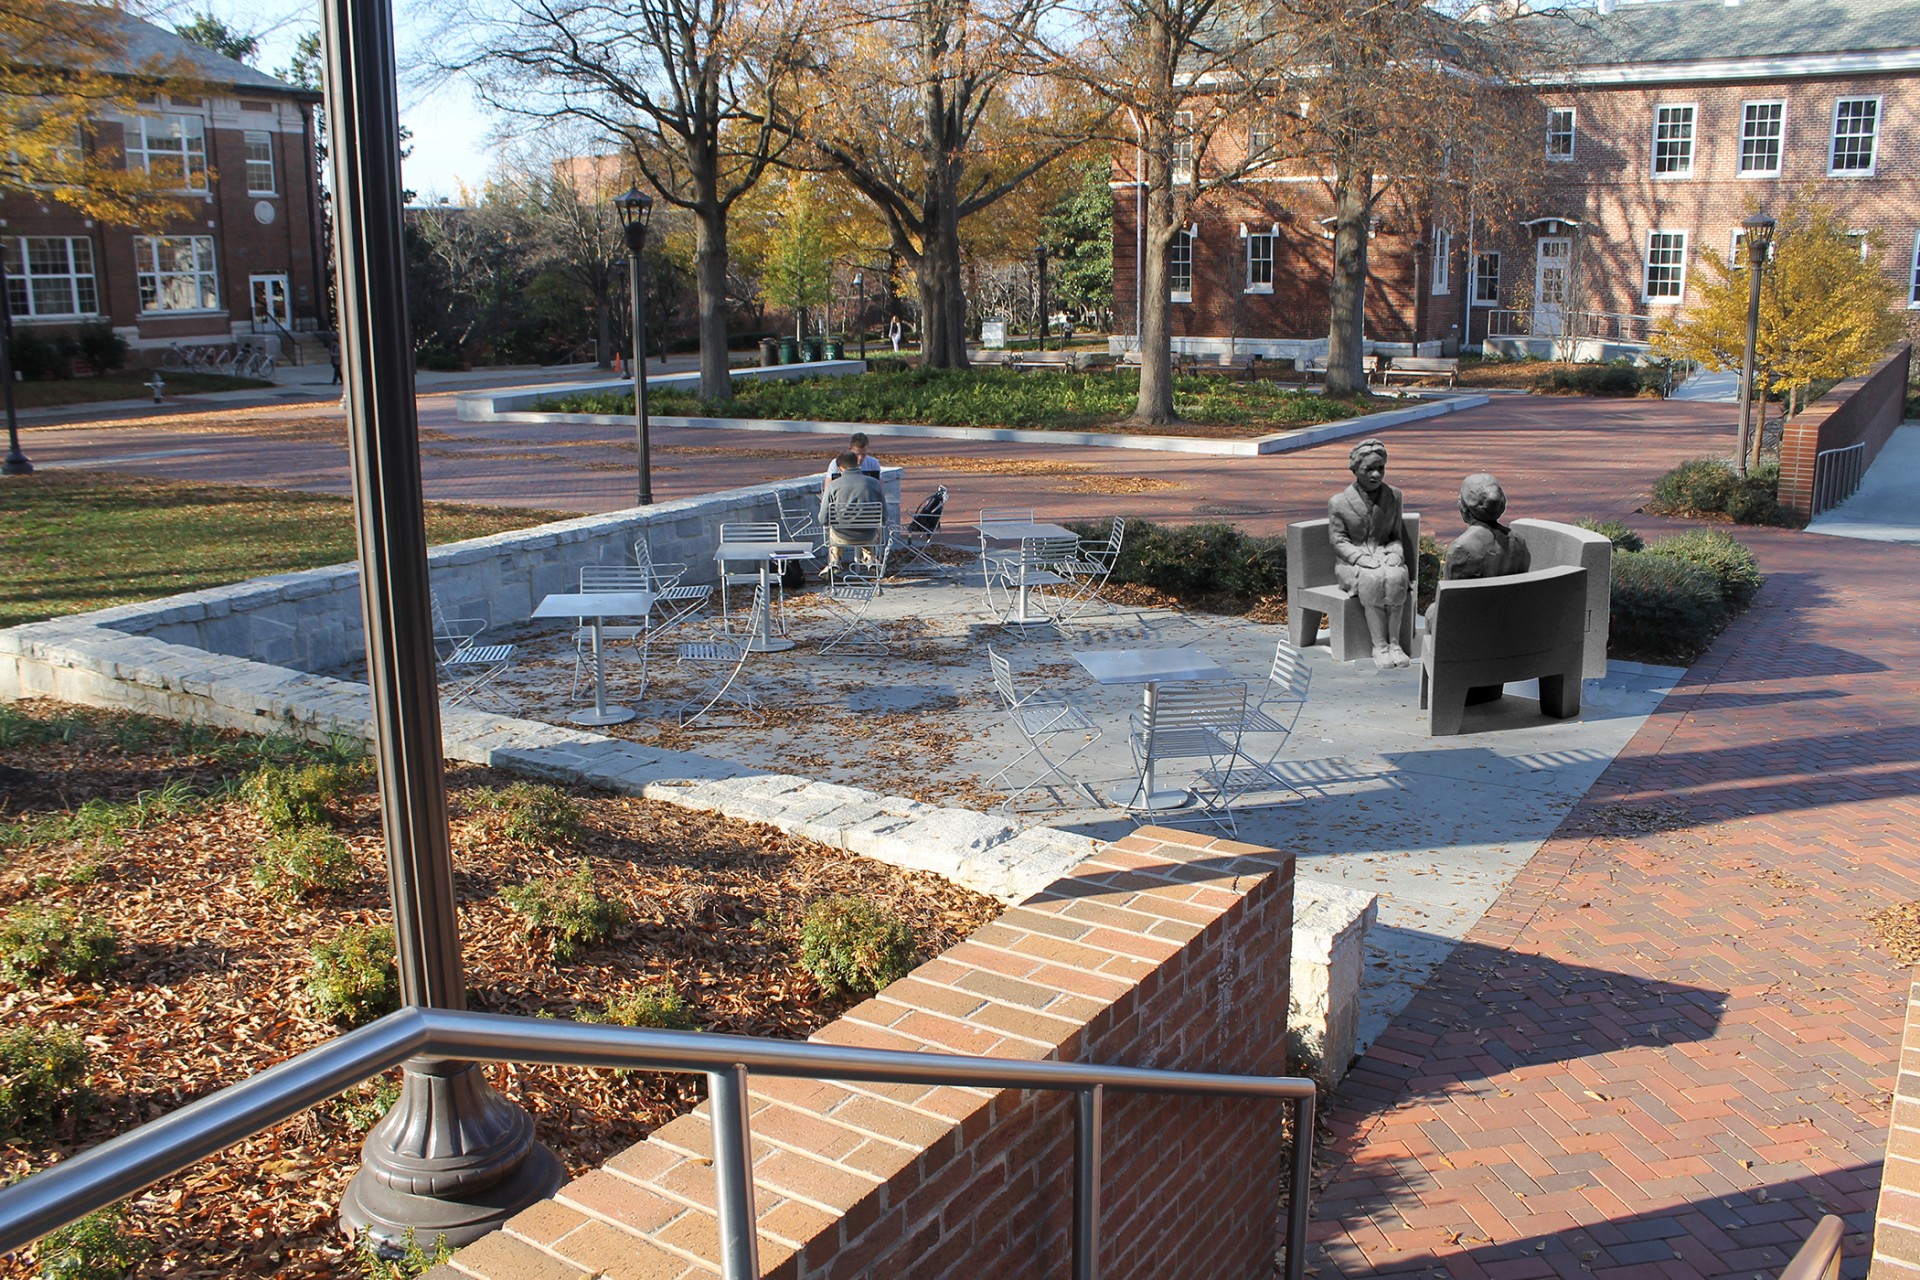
[63, 66]
[1827, 308]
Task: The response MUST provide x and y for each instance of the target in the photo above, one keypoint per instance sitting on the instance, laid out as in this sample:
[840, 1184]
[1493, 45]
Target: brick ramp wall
[1167, 949]
[1866, 408]
[1896, 1232]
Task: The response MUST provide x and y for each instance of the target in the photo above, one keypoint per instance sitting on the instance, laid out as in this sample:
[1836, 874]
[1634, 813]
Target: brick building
[1679, 118]
[245, 264]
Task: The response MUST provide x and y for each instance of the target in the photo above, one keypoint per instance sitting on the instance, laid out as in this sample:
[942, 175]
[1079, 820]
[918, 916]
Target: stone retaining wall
[1896, 1232]
[1865, 410]
[1164, 949]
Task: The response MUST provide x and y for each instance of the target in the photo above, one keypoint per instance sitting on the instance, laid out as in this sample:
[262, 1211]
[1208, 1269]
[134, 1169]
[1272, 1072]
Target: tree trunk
[1155, 406]
[1346, 332]
[710, 270]
[943, 296]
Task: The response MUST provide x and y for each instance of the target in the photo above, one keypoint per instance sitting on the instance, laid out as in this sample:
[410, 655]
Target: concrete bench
[1313, 593]
[1490, 631]
[1551, 544]
[1421, 367]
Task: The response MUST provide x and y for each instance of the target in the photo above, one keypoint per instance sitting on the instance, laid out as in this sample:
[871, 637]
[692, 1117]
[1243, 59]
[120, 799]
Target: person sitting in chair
[857, 446]
[850, 488]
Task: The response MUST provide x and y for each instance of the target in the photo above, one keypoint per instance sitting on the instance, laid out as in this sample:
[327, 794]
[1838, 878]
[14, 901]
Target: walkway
[1667, 1049]
[1886, 507]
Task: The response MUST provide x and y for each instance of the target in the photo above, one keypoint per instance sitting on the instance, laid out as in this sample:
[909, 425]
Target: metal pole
[1086, 1182]
[1302, 1182]
[634, 260]
[452, 1158]
[16, 463]
[1040, 253]
[1746, 360]
[733, 1173]
[860, 319]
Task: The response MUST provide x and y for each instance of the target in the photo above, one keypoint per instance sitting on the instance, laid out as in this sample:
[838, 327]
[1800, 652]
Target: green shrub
[288, 797]
[104, 349]
[37, 355]
[1213, 562]
[361, 1107]
[1710, 486]
[1616, 532]
[1664, 609]
[98, 1247]
[1730, 561]
[43, 1077]
[525, 813]
[1428, 577]
[45, 941]
[408, 1261]
[353, 979]
[304, 863]
[568, 910]
[1621, 377]
[655, 1002]
[853, 946]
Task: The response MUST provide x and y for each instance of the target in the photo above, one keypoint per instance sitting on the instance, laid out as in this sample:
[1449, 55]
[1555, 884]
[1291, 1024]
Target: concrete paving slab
[1886, 507]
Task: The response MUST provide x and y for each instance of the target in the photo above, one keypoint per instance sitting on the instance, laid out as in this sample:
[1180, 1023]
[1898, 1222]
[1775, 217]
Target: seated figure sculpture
[1488, 549]
[1372, 549]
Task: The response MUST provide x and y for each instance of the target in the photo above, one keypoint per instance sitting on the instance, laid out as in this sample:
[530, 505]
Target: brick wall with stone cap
[1896, 1230]
[1861, 410]
[1166, 949]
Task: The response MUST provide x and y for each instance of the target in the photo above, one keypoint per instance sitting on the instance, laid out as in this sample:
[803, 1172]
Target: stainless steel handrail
[1837, 474]
[126, 1164]
[1819, 1257]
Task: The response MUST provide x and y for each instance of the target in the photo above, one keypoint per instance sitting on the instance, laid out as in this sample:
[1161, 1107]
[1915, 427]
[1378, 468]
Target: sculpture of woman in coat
[1372, 549]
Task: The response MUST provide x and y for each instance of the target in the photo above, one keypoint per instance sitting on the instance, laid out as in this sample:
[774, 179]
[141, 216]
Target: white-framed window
[1180, 267]
[260, 179]
[1666, 278]
[173, 147]
[1260, 262]
[1259, 142]
[1183, 146]
[176, 273]
[51, 277]
[1858, 239]
[1486, 280]
[1913, 277]
[1442, 260]
[1737, 250]
[1762, 128]
[1673, 141]
[1856, 135]
[1559, 133]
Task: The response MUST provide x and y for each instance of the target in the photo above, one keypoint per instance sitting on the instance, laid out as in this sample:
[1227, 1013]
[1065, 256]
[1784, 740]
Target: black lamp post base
[16, 465]
[452, 1158]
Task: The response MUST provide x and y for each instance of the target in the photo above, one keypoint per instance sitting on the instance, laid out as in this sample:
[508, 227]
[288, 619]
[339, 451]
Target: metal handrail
[134, 1160]
[292, 343]
[1837, 474]
[1819, 1257]
[1617, 326]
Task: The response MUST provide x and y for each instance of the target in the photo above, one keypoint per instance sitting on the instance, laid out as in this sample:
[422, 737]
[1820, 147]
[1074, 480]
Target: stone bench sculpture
[1491, 631]
[1551, 544]
[1313, 593]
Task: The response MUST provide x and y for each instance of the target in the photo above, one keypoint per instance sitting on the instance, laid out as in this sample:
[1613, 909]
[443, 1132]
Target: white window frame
[153, 280]
[1182, 241]
[1913, 276]
[1572, 132]
[1692, 137]
[257, 166]
[1779, 138]
[1479, 275]
[1442, 261]
[1183, 146]
[1647, 294]
[177, 142]
[1873, 138]
[1737, 249]
[1260, 144]
[1271, 241]
[83, 282]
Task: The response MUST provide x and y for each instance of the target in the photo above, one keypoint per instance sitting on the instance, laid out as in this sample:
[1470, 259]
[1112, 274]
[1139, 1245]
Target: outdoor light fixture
[16, 463]
[1759, 230]
[860, 316]
[636, 211]
[1040, 258]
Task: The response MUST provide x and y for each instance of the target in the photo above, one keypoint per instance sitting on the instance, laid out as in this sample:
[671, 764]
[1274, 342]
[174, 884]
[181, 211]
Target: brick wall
[1166, 949]
[1863, 409]
[1896, 1235]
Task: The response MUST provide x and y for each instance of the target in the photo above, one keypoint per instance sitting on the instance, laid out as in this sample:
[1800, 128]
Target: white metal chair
[1188, 721]
[916, 534]
[993, 558]
[1088, 571]
[1030, 572]
[799, 518]
[864, 526]
[849, 600]
[725, 661]
[603, 578]
[467, 667]
[730, 577]
[1265, 728]
[676, 603]
[1039, 720]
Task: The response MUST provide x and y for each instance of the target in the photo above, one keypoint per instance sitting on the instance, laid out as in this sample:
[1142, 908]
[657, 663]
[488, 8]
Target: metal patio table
[1150, 667]
[599, 606]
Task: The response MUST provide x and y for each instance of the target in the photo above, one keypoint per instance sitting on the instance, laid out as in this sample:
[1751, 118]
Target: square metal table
[762, 639]
[1023, 531]
[599, 606]
[1149, 667]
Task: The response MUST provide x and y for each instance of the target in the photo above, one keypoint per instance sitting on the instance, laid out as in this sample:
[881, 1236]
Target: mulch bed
[211, 985]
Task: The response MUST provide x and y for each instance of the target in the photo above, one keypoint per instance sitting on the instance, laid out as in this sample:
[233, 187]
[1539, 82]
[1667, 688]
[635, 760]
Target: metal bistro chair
[676, 602]
[990, 555]
[603, 578]
[1267, 721]
[865, 527]
[1032, 570]
[849, 599]
[1039, 719]
[749, 531]
[1195, 720]
[799, 518]
[467, 667]
[917, 533]
[1089, 570]
[725, 662]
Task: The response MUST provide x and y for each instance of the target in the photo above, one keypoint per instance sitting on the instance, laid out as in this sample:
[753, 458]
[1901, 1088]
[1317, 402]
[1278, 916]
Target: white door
[1550, 269]
[270, 306]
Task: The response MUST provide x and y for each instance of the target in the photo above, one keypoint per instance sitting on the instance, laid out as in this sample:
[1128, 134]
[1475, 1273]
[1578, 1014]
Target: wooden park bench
[1241, 366]
[1420, 368]
[1311, 369]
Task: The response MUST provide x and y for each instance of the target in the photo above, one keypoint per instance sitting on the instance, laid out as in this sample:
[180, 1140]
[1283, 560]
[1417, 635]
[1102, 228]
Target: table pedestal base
[612, 715]
[769, 644]
[1134, 798]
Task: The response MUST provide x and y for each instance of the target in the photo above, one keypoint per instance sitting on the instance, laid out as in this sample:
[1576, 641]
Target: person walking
[893, 334]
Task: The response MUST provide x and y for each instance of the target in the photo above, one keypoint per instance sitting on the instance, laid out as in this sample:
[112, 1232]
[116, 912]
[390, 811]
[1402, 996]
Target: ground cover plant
[132, 384]
[1709, 488]
[80, 540]
[1673, 595]
[1564, 377]
[1097, 401]
[212, 979]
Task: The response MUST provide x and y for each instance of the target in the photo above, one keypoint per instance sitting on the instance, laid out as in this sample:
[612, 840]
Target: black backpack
[927, 519]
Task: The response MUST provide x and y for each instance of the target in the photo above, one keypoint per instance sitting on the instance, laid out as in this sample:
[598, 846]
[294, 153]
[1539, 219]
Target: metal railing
[289, 341]
[1837, 474]
[1819, 1257]
[126, 1164]
[1607, 326]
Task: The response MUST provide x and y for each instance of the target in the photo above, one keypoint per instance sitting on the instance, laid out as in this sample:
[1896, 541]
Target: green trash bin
[816, 349]
[769, 352]
[836, 349]
[789, 351]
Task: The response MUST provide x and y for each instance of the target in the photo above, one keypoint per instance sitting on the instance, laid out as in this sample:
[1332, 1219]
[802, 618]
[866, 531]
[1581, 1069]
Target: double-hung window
[1673, 141]
[1180, 267]
[176, 273]
[1761, 127]
[1666, 277]
[1560, 133]
[1737, 259]
[172, 148]
[1183, 146]
[1442, 260]
[1913, 277]
[1486, 280]
[1856, 134]
[51, 277]
[260, 179]
[1260, 262]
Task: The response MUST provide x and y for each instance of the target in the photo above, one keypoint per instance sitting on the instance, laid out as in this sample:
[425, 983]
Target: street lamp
[860, 316]
[16, 463]
[1759, 229]
[636, 211]
[1040, 258]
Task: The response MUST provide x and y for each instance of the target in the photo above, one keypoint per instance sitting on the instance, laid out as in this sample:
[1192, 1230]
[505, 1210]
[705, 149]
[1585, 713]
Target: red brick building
[245, 264]
[1681, 117]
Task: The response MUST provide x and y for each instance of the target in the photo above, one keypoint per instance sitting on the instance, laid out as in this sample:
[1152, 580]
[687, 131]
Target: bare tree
[691, 87]
[574, 228]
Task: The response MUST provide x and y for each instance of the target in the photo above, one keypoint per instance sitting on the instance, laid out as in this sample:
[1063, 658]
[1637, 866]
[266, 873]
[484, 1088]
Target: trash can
[836, 349]
[816, 349]
[769, 352]
[789, 351]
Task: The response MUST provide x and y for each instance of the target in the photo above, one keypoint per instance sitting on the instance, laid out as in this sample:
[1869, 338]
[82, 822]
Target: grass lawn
[1213, 406]
[122, 386]
[85, 540]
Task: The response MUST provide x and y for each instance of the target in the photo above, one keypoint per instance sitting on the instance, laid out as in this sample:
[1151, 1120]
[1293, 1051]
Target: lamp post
[860, 316]
[1040, 258]
[16, 463]
[1759, 229]
[636, 210]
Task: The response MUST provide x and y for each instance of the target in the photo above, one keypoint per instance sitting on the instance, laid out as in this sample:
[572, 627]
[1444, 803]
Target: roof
[1689, 31]
[149, 47]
